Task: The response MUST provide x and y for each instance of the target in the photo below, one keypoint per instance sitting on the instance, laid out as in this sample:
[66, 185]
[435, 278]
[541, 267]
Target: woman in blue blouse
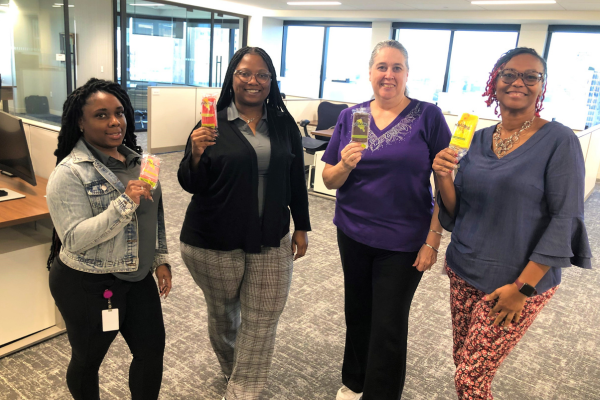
[515, 210]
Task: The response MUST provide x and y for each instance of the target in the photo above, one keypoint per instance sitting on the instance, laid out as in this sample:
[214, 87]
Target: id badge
[110, 320]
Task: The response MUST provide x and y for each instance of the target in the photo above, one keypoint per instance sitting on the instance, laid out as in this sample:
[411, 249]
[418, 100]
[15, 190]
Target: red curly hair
[490, 87]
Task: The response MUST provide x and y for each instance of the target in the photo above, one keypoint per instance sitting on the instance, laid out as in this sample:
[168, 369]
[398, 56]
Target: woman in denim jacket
[109, 238]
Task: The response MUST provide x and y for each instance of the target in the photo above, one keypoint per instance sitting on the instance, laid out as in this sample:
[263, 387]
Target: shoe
[346, 393]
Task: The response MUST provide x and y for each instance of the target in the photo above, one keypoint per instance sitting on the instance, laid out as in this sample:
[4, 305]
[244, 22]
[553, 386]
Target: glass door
[225, 44]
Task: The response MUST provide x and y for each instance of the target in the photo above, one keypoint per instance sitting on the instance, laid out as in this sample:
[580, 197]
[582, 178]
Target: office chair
[328, 114]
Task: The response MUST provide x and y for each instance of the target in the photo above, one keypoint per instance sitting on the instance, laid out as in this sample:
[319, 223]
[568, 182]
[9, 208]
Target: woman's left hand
[163, 275]
[509, 306]
[426, 258]
[299, 244]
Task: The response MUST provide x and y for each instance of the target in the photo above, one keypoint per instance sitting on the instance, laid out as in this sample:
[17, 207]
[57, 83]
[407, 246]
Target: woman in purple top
[515, 210]
[388, 227]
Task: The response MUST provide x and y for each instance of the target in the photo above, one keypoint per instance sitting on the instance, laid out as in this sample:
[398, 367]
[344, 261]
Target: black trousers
[78, 296]
[379, 286]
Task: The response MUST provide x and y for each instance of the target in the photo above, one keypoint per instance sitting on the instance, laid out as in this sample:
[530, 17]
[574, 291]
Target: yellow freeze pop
[463, 135]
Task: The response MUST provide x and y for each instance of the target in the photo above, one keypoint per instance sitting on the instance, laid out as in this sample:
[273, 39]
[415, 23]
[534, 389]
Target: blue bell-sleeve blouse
[526, 206]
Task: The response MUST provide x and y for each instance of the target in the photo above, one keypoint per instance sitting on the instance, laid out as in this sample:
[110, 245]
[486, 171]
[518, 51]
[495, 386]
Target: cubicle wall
[590, 145]
[42, 140]
[172, 114]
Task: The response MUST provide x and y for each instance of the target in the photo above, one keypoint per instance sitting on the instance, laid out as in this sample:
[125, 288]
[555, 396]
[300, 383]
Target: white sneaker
[347, 394]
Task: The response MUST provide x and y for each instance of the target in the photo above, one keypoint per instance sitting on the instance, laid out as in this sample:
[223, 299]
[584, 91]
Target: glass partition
[32, 54]
[171, 45]
[226, 43]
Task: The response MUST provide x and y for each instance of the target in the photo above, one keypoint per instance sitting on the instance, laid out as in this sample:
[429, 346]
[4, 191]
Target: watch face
[527, 290]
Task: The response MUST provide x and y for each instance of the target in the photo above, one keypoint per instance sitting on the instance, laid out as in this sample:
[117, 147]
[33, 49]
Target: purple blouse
[386, 202]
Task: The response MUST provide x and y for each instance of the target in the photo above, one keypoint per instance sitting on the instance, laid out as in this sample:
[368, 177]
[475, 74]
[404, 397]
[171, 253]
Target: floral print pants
[479, 347]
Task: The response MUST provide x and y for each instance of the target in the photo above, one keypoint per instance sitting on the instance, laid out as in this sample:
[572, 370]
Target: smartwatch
[525, 288]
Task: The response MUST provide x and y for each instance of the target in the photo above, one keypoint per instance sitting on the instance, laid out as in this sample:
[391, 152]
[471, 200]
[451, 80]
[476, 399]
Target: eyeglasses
[529, 78]
[246, 76]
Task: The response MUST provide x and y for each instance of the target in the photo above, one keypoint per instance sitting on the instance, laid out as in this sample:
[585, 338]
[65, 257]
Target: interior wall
[94, 34]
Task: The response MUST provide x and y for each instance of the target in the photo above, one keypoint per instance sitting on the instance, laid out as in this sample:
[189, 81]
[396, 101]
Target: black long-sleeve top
[223, 213]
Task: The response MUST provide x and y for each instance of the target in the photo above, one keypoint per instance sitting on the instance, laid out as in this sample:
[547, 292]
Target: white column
[380, 31]
[255, 26]
[534, 36]
[272, 37]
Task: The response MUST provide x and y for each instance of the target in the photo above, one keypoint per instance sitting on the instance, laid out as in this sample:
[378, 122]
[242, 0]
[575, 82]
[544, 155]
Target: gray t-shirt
[262, 147]
[147, 212]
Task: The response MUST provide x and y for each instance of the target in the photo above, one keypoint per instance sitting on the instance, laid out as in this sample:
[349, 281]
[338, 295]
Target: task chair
[328, 114]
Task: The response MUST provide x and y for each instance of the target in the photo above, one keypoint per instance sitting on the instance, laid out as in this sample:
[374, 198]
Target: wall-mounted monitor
[14, 151]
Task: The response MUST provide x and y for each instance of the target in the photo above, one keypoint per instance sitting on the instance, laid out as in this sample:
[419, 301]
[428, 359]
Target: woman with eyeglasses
[235, 238]
[515, 210]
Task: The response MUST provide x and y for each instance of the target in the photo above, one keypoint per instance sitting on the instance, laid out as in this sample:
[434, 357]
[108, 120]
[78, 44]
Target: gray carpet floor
[558, 358]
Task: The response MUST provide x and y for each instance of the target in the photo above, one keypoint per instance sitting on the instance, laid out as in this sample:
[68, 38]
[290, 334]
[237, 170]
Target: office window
[472, 59]
[427, 57]
[573, 73]
[326, 60]
[347, 72]
[450, 63]
[301, 75]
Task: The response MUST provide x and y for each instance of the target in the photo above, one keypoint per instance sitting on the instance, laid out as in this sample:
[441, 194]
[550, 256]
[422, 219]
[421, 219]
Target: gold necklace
[248, 120]
[503, 146]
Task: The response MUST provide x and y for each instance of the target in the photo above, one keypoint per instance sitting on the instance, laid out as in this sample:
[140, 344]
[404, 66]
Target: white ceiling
[427, 5]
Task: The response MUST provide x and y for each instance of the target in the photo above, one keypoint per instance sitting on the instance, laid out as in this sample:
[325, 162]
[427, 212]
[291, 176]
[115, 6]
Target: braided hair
[274, 99]
[70, 133]
[490, 88]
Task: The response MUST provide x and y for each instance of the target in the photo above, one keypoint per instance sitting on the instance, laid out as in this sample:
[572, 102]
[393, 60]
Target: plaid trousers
[245, 294]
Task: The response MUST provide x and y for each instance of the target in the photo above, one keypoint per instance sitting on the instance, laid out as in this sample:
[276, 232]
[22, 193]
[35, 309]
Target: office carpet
[558, 359]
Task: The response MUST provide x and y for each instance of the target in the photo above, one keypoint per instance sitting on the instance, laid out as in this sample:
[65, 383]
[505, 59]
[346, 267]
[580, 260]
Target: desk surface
[31, 208]
[324, 132]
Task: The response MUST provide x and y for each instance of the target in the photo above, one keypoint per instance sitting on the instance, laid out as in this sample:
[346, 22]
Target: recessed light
[504, 2]
[314, 3]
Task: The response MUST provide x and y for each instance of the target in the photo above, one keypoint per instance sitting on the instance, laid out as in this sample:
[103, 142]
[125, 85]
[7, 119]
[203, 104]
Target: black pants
[78, 296]
[379, 286]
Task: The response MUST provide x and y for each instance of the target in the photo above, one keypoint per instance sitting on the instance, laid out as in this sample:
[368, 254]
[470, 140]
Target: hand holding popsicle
[202, 138]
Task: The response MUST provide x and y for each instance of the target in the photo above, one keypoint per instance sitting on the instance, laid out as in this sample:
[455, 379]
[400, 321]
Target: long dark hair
[69, 130]
[227, 96]
[490, 88]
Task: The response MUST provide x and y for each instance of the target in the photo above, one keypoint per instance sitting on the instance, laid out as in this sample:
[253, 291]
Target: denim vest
[95, 219]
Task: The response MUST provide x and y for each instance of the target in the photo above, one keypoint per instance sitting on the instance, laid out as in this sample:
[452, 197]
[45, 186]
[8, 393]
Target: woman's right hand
[137, 189]
[202, 138]
[351, 155]
[445, 163]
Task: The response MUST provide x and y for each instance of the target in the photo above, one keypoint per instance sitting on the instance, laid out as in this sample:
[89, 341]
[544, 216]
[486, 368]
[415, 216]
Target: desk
[324, 132]
[28, 313]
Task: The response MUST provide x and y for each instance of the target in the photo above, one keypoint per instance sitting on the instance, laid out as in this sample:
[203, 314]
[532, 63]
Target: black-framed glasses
[246, 76]
[529, 78]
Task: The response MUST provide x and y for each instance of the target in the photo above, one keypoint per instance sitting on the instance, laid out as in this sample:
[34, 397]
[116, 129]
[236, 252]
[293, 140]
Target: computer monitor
[14, 151]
